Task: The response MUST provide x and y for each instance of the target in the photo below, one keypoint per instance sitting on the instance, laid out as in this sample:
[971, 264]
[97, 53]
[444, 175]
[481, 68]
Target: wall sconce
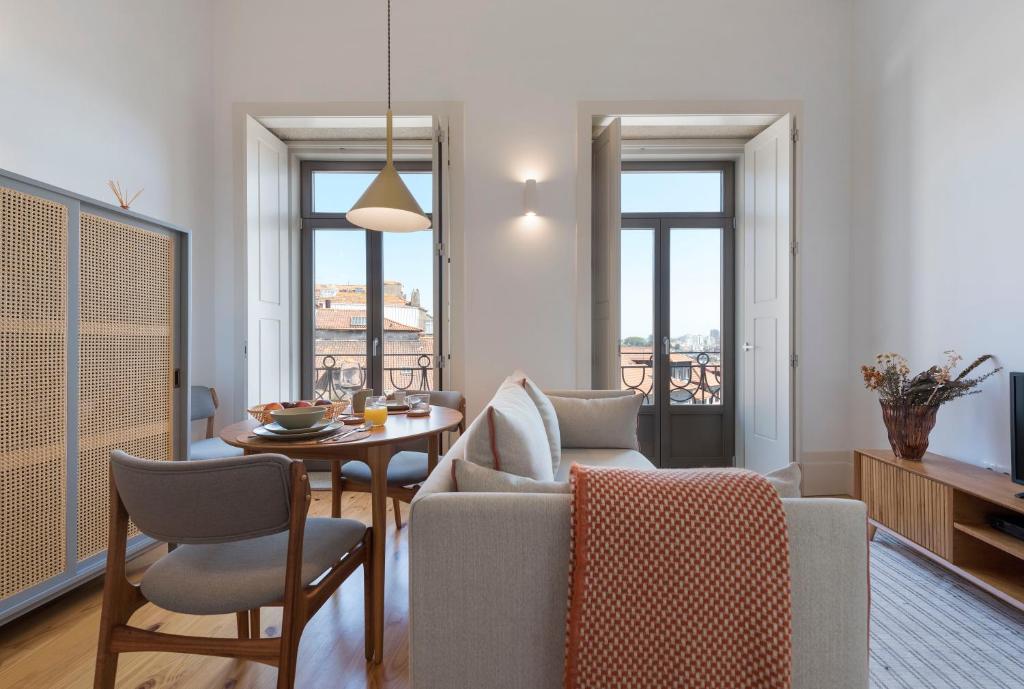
[530, 198]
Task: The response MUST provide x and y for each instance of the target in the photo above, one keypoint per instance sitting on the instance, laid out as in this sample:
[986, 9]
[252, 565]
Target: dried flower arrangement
[890, 377]
[910, 404]
[121, 194]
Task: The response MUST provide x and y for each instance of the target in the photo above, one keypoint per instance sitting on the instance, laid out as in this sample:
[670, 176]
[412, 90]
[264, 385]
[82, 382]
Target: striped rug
[932, 630]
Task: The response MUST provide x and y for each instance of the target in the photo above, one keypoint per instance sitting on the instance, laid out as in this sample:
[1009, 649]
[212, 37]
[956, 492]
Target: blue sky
[340, 257]
[695, 258]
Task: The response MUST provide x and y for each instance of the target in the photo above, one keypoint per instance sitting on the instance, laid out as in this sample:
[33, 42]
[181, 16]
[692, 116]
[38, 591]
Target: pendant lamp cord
[389, 54]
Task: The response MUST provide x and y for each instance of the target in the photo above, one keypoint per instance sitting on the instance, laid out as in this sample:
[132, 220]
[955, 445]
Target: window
[369, 298]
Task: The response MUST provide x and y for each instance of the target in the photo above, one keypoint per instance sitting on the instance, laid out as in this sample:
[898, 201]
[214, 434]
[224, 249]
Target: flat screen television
[1017, 427]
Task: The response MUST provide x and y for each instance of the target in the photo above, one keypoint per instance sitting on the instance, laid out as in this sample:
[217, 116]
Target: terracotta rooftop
[341, 319]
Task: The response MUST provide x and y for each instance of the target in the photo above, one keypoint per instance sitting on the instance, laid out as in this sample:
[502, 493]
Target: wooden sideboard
[942, 507]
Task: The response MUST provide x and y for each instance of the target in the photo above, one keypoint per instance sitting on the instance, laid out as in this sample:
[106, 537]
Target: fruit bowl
[261, 414]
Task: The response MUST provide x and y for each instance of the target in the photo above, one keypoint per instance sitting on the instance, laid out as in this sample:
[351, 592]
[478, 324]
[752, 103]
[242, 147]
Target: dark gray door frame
[658, 416]
[312, 221]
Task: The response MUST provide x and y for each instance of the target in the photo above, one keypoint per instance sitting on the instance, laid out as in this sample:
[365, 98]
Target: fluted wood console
[942, 507]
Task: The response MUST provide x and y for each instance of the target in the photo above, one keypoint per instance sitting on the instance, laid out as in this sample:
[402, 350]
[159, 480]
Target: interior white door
[605, 244]
[767, 348]
[269, 336]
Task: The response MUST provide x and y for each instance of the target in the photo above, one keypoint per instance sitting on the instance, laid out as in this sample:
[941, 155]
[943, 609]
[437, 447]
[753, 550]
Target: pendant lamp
[387, 205]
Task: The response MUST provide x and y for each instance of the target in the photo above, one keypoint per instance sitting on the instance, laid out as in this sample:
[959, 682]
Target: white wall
[520, 69]
[937, 238]
[100, 90]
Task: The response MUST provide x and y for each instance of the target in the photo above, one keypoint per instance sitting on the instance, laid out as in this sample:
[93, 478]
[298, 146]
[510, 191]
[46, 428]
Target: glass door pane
[340, 362]
[695, 316]
[409, 344]
[636, 317]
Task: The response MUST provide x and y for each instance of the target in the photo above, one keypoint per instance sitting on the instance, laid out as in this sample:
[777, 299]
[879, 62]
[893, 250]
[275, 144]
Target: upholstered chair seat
[406, 468]
[243, 575]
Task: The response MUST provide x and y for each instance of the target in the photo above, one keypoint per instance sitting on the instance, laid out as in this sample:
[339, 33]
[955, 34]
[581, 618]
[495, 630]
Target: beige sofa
[488, 578]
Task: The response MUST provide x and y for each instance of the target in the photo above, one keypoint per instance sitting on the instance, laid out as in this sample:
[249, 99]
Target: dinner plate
[277, 428]
[262, 432]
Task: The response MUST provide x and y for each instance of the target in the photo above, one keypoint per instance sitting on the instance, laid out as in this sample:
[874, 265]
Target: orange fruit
[273, 406]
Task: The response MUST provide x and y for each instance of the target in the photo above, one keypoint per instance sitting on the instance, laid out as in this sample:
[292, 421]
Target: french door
[677, 310]
[369, 299]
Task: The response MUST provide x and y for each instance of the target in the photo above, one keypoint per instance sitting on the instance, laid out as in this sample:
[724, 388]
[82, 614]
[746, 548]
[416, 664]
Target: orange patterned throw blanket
[678, 578]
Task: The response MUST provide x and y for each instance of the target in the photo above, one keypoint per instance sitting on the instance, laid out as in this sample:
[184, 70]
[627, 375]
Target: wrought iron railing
[327, 382]
[695, 379]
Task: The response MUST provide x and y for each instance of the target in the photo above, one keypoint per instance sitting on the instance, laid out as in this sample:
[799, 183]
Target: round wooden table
[376, 451]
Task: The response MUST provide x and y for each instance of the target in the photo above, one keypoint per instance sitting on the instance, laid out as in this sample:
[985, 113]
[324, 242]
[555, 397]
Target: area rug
[931, 629]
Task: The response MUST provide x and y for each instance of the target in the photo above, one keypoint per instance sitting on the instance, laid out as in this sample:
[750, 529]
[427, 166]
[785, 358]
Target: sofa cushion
[509, 436]
[598, 423]
[786, 481]
[473, 478]
[618, 458]
[547, 415]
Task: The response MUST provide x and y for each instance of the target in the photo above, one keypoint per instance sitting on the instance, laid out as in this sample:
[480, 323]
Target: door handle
[376, 344]
[747, 346]
[665, 345]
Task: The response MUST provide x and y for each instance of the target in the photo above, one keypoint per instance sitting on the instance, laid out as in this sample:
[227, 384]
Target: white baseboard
[826, 473]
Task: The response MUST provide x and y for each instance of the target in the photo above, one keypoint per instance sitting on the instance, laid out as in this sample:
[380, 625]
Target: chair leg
[106, 666]
[398, 513]
[254, 623]
[368, 592]
[288, 661]
[243, 624]
[337, 486]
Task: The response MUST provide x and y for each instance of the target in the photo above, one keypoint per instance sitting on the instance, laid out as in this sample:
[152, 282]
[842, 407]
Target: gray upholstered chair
[408, 467]
[244, 542]
[204, 406]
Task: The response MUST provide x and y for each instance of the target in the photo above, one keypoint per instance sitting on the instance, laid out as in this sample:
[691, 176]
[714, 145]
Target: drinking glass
[376, 411]
[418, 404]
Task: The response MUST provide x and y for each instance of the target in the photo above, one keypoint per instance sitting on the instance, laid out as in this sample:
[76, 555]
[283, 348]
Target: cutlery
[340, 436]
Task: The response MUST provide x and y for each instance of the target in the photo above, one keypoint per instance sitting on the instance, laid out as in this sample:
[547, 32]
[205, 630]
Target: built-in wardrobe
[93, 357]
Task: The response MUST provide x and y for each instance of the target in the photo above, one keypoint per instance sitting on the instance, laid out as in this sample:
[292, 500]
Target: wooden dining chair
[244, 542]
[409, 466]
[203, 407]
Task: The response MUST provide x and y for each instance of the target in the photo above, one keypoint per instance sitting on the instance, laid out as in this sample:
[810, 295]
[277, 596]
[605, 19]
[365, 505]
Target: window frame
[311, 222]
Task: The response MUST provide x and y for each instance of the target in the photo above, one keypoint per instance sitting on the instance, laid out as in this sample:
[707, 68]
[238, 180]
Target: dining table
[375, 447]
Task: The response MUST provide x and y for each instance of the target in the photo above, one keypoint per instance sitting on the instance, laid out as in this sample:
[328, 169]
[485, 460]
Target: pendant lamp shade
[387, 205]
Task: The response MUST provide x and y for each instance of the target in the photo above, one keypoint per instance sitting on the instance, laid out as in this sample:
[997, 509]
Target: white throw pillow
[608, 422]
[786, 481]
[473, 478]
[547, 415]
[510, 436]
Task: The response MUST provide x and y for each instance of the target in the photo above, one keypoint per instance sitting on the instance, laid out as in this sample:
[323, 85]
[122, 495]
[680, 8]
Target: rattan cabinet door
[33, 389]
[126, 360]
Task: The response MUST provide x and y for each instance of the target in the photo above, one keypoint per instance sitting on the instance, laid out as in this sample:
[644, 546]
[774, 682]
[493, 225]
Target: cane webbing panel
[33, 386]
[126, 360]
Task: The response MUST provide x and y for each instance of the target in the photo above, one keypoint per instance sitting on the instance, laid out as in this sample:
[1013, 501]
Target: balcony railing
[409, 372]
[695, 376]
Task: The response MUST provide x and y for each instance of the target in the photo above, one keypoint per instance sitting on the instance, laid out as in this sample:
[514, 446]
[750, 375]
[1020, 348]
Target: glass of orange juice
[376, 411]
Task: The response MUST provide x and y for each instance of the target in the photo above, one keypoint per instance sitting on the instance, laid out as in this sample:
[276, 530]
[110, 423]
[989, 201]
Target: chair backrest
[214, 501]
[203, 404]
[451, 399]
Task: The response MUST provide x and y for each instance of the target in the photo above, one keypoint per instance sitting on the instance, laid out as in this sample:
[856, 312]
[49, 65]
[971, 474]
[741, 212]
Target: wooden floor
[54, 647]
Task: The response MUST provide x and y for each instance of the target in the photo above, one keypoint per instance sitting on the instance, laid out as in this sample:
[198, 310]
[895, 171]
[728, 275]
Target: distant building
[340, 337]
